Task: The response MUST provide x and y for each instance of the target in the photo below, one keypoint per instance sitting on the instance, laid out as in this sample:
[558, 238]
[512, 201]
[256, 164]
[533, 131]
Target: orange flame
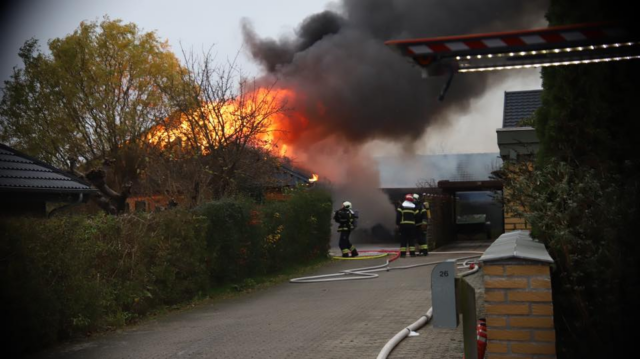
[213, 123]
[314, 178]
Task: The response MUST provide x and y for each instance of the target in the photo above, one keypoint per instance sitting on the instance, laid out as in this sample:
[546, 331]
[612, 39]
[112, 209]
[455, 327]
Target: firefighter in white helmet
[346, 219]
[421, 227]
[406, 217]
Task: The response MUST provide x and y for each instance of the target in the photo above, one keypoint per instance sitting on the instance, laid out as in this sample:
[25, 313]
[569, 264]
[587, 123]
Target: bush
[75, 275]
[231, 239]
[307, 225]
[245, 240]
[587, 220]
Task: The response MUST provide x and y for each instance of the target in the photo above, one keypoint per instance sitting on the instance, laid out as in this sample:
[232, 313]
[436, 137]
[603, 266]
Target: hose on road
[424, 319]
[368, 273]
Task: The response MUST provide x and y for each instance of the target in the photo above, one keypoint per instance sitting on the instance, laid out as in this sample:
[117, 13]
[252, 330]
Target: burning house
[220, 145]
[343, 88]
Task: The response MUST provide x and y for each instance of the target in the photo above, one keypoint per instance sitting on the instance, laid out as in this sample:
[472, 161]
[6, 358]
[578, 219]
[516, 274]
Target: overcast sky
[192, 23]
[200, 24]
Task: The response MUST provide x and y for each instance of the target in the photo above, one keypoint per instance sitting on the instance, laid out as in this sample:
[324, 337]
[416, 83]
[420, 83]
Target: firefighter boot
[354, 252]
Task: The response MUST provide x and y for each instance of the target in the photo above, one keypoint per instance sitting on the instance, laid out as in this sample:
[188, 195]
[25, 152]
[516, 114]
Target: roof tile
[19, 172]
[519, 105]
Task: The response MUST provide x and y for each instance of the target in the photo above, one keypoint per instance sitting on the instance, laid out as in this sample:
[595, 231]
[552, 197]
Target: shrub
[307, 226]
[74, 275]
[245, 240]
[230, 240]
[587, 221]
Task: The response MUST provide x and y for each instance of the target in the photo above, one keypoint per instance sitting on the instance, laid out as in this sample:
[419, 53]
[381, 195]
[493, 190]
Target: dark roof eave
[48, 190]
[45, 165]
[453, 186]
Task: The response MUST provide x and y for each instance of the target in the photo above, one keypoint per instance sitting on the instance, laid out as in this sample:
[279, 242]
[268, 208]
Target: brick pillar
[514, 223]
[519, 309]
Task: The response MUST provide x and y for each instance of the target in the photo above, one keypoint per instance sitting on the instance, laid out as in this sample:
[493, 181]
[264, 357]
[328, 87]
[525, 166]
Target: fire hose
[368, 273]
[424, 319]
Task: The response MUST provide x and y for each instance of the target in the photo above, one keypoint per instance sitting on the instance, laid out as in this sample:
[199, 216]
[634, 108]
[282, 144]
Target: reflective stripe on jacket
[425, 213]
[344, 217]
[407, 214]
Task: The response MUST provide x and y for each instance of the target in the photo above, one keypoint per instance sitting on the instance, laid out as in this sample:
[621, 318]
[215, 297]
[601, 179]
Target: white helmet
[346, 204]
[416, 196]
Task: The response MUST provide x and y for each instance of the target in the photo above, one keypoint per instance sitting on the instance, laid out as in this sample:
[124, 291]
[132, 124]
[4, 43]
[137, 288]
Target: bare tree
[427, 183]
[225, 124]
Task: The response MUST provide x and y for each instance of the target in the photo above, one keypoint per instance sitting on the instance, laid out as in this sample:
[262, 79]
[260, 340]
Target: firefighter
[406, 217]
[421, 226]
[345, 217]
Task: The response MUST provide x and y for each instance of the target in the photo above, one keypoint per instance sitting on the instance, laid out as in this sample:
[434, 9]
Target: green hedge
[245, 240]
[297, 230]
[75, 275]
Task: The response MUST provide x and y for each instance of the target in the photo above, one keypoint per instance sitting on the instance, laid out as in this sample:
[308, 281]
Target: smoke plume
[352, 89]
[355, 86]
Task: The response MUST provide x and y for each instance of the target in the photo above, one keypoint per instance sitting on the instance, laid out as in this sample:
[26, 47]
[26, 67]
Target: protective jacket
[425, 214]
[344, 217]
[421, 227]
[407, 214]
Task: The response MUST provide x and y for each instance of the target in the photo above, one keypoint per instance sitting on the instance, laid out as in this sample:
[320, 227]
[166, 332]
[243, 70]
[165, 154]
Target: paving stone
[349, 319]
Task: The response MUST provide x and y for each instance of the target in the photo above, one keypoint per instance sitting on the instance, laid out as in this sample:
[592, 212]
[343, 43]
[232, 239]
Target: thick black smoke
[355, 86]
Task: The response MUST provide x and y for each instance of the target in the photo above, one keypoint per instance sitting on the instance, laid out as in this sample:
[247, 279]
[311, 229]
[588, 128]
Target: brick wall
[519, 310]
[514, 223]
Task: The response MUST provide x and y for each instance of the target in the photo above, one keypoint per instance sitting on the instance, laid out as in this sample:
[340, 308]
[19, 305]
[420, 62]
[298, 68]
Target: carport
[476, 208]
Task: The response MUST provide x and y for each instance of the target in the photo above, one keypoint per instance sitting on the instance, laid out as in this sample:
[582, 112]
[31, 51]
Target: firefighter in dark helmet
[421, 227]
[345, 217]
[407, 215]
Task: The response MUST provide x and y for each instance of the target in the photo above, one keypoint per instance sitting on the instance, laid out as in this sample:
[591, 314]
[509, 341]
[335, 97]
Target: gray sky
[200, 24]
[192, 23]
